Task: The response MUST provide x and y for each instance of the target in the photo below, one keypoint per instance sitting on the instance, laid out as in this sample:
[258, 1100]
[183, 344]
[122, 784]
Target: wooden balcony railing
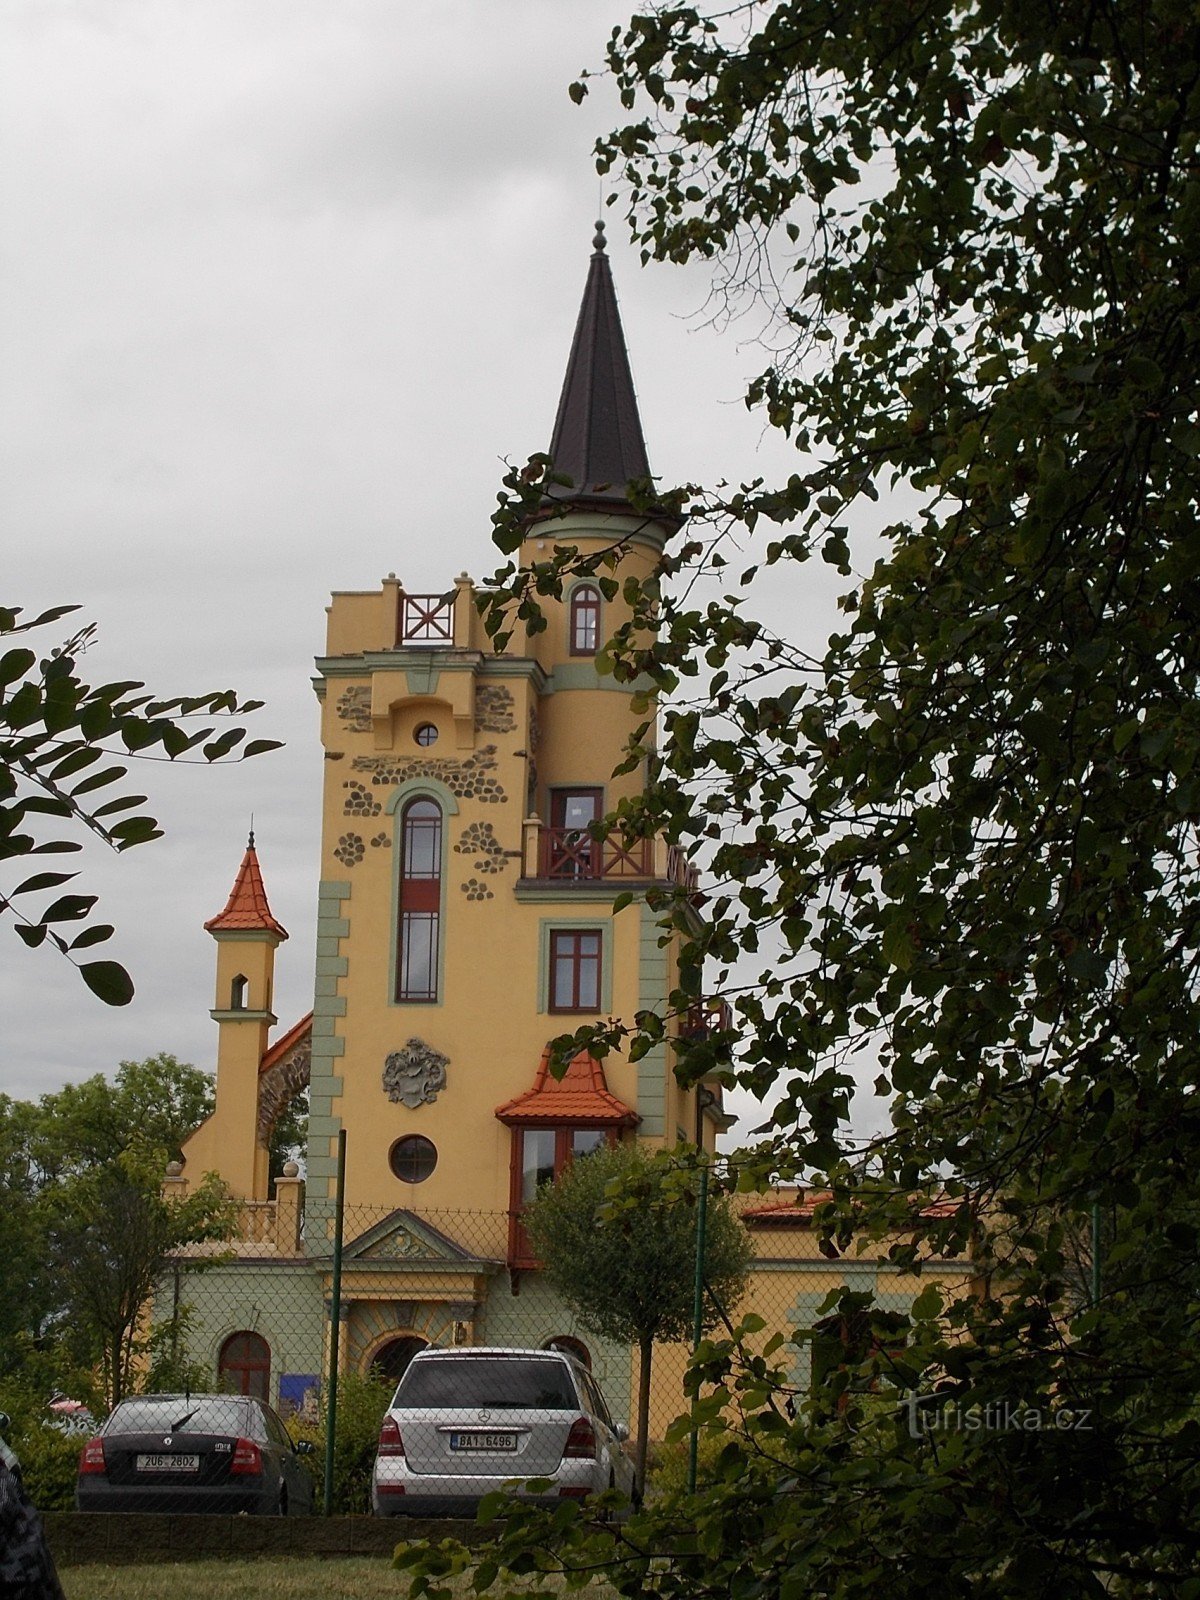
[572, 854]
[426, 619]
[681, 871]
[705, 1017]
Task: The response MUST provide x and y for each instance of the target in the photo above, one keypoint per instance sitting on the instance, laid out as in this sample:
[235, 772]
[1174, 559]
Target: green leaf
[69, 908]
[108, 981]
[899, 949]
[15, 664]
[44, 880]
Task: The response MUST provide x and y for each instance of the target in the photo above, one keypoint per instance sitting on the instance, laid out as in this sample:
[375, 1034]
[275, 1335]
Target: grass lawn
[332, 1578]
[329, 1577]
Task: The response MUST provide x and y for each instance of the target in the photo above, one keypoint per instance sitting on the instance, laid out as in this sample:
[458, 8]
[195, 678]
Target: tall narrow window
[238, 992]
[585, 620]
[575, 970]
[419, 921]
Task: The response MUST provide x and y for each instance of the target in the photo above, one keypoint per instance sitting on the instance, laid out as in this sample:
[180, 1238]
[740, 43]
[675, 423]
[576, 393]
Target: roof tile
[580, 1095]
[247, 909]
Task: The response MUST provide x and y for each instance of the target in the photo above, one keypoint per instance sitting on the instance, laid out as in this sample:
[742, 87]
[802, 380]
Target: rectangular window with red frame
[575, 969]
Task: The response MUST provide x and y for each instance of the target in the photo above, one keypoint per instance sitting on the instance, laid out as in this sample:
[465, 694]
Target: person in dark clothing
[26, 1565]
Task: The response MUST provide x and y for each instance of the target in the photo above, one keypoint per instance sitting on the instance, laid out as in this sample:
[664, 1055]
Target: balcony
[705, 1017]
[572, 855]
[569, 854]
[425, 621]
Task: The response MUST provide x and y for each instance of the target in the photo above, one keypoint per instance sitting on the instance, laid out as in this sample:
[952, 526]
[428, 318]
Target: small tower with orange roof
[247, 936]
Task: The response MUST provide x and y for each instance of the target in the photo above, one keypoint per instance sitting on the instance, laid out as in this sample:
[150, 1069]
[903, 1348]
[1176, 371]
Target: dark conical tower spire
[597, 439]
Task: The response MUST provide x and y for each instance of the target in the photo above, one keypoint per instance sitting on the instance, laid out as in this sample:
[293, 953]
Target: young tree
[109, 1235]
[91, 1232]
[62, 742]
[967, 833]
[628, 1271]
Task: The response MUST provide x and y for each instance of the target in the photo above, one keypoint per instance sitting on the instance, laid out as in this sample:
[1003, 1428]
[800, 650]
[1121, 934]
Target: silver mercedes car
[464, 1423]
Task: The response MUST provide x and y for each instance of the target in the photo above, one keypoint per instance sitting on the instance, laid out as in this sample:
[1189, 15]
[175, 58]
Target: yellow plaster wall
[488, 1022]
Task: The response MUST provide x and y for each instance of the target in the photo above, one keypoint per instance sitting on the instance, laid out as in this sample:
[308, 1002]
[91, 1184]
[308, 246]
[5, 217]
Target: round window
[412, 1158]
[426, 734]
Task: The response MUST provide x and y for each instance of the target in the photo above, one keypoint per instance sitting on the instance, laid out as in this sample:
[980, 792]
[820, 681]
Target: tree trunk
[645, 1352]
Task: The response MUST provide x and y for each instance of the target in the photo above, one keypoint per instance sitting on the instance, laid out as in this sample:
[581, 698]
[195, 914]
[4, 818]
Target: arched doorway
[570, 1346]
[390, 1361]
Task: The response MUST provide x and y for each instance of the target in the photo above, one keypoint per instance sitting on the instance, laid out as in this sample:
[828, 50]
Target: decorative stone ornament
[416, 1075]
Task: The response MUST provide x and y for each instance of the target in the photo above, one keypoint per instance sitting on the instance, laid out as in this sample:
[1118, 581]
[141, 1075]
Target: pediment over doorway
[405, 1237]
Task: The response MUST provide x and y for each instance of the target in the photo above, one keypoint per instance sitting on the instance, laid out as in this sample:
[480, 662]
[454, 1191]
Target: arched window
[419, 918]
[585, 620]
[244, 1366]
[391, 1360]
[237, 996]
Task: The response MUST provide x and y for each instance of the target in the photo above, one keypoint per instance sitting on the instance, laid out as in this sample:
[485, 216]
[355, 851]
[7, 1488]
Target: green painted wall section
[653, 987]
[325, 1084]
[279, 1300]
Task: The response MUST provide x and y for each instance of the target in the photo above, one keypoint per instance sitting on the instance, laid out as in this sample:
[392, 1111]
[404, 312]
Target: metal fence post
[1095, 1253]
[698, 1315]
[336, 1321]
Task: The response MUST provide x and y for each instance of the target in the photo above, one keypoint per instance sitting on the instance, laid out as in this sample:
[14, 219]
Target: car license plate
[483, 1441]
[168, 1464]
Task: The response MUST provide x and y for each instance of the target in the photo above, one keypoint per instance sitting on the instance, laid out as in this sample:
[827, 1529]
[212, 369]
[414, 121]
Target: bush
[49, 1465]
[667, 1467]
[361, 1405]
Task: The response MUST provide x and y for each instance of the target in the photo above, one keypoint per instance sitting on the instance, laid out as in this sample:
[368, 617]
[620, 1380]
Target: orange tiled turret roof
[247, 910]
[580, 1095]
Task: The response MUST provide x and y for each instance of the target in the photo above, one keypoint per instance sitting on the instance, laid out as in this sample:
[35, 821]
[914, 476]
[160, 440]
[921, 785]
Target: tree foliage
[63, 744]
[964, 837]
[87, 1232]
[623, 1257]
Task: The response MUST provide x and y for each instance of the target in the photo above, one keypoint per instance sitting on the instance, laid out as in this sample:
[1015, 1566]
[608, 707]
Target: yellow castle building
[466, 917]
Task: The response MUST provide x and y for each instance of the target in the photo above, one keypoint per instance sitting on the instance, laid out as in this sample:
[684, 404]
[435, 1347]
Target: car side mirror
[304, 1448]
[620, 1431]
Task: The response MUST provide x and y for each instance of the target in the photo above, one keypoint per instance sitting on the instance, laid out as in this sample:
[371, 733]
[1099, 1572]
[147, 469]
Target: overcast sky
[283, 282]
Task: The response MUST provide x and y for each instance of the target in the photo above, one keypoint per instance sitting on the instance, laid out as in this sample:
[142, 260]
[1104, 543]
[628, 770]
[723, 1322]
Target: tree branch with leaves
[63, 745]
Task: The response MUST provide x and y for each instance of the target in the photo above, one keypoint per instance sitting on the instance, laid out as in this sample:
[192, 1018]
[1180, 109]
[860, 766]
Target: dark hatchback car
[200, 1452]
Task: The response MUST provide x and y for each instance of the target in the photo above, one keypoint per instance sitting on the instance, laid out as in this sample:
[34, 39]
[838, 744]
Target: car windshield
[200, 1414]
[500, 1383]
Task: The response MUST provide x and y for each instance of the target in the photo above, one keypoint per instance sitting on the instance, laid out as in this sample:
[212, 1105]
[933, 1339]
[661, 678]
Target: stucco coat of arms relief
[416, 1075]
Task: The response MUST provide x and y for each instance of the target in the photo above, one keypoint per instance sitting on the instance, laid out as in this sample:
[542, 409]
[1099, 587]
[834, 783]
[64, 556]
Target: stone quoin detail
[479, 840]
[494, 709]
[350, 849]
[280, 1084]
[359, 801]
[354, 708]
[466, 779]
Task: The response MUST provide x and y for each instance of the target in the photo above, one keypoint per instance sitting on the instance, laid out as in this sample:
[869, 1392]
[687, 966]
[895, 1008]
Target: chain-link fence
[272, 1360]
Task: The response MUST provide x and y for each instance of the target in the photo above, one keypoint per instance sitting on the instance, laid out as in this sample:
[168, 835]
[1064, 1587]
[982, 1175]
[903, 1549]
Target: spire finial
[250, 841]
[598, 243]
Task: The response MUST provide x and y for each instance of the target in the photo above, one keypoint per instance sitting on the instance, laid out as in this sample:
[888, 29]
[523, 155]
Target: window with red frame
[244, 1366]
[418, 932]
[541, 1156]
[575, 969]
[585, 620]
